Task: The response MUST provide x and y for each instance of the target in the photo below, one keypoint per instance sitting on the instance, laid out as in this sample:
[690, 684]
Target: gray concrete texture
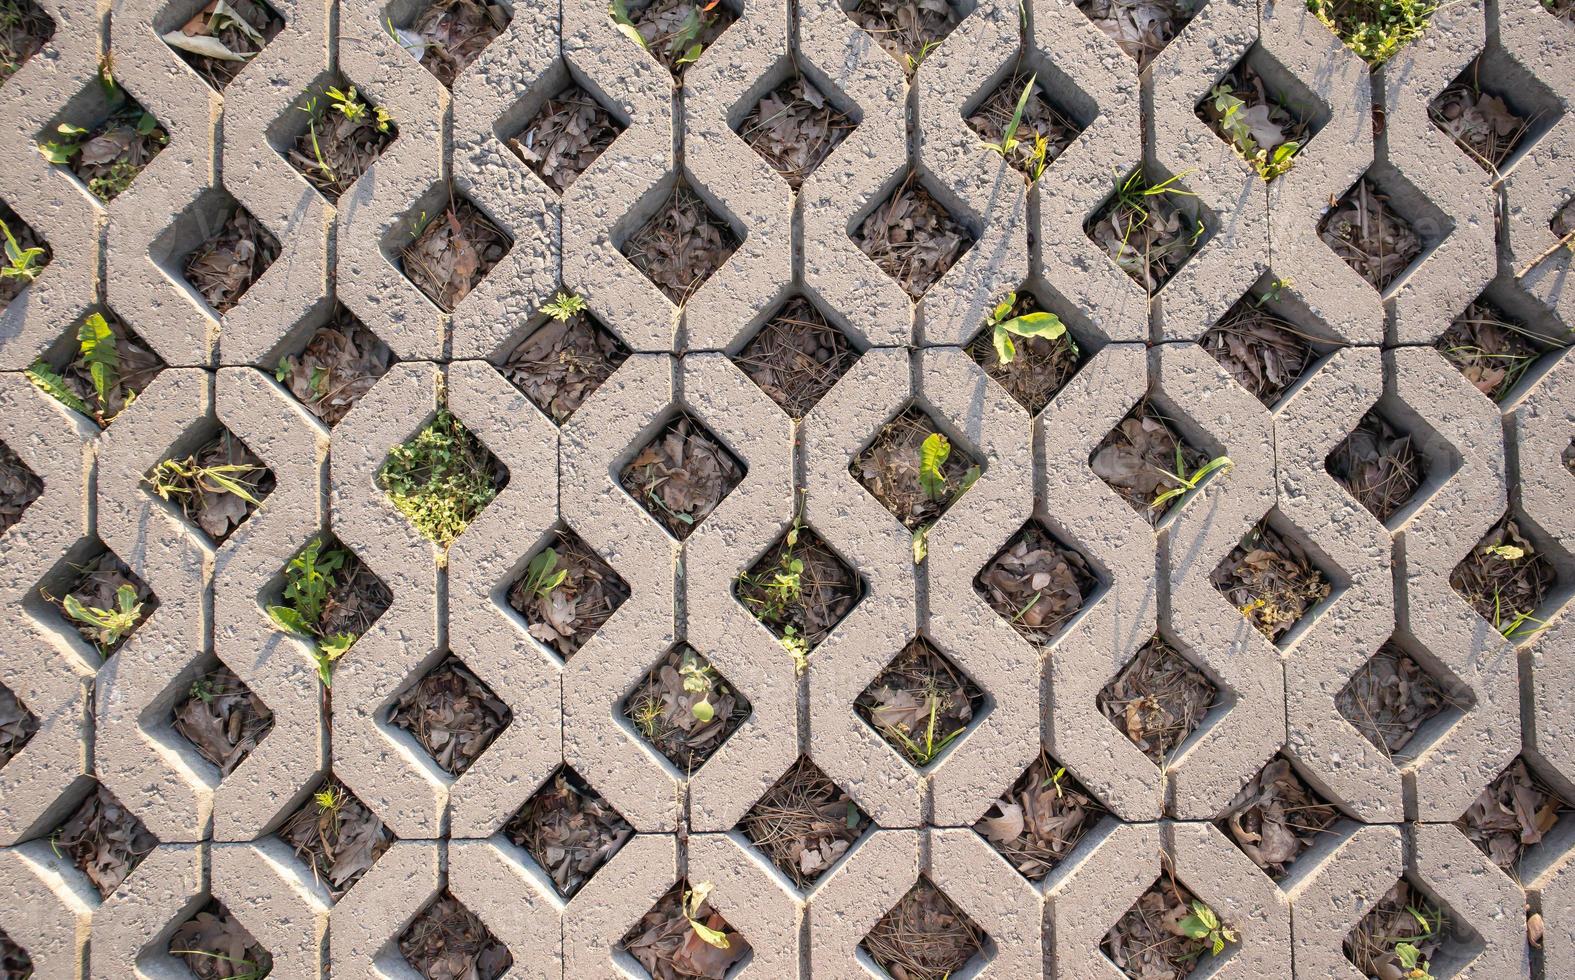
[106, 723]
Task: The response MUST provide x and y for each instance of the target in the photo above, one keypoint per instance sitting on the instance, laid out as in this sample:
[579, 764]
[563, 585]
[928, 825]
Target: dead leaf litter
[1041, 818]
[1158, 699]
[451, 714]
[570, 831]
[681, 475]
[222, 718]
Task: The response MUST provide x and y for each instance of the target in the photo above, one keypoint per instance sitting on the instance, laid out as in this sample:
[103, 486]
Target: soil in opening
[452, 714]
[104, 839]
[337, 836]
[1505, 578]
[562, 362]
[1378, 465]
[108, 156]
[447, 941]
[1264, 352]
[912, 237]
[341, 361]
[1041, 367]
[226, 265]
[1372, 238]
[1391, 698]
[448, 35]
[222, 718]
[682, 246]
[1404, 917]
[804, 823]
[675, 32]
[1277, 816]
[215, 946]
[1143, 459]
[920, 703]
[104, 601]
[794, 129]
[908, 30]
[218, 41]
[1141, 29]
[345, 134]
[1480, 122]
[1041, 818]
[1491, 349]
[1148, 942]
[1036, 584]
[109, 366]
[216, 487]
[1512, 813]
[1040, 121]
[14, 961]
[451, 253]
[681, 476]
[800, 588]
[569, 830]
[567, 593]
[685, 708]
[925, 936]
[666, 943]
[562, 140]
[1262, 127]
[1158, 700]
[1144, 230]
[26, 240]
[24, 30]
[894, 471]
[17, 725]
[1271, 581]
[797, 357]
[19, 487]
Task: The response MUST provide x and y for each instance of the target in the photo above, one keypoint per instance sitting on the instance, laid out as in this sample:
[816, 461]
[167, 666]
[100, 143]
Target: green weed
[1375, 29]
[309, 581]
[440, 480]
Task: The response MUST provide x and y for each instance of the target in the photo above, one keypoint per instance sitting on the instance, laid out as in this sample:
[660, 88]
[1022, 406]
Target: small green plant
[440, 480]
[618, 10]
[1270, 162]
[354, 109]
[1514, 624]
[329, 799]
[1508, 552]
[309, 581]
[564, 307]
[925, 752]
[20, 263]
[202, 690]
[913, 61]
[109, 625]
[1375, 29]
[933, 453]
[1412, 963]
[179, 479]
[1009, 141]
[313, 110]
[239, 969]
[97, 349]
[1189, 482]
[543, 575]
[797, 648]
[1004, 327]
[697, 680]
[694, 898]
[1205, 925]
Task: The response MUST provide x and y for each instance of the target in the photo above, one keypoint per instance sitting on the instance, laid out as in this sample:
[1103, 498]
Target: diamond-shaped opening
[1145, 944]
[681, 244]
[794, 127]
[24, 32]
[104, 137]
[1142, 39]
[451, 714]
[889, 468]
[14, 961]
[1042, 118]
[1037, 584]
[32, 253]
[449, 250]
[1149, 226]
[330, 368]
[913, 237]
[1158, 699]
[908, 30]
[1272, 579]
[1264, 345]
[1037, 367]
[104, 839]
[447, 35]
[220, 716]
[1400, 701]
[67, 369]
[666, 945]
[19, 487]
[568, 829]
[1513, 814]
[800, 589]
[332, 140]
[1276, 817]
[1506, 578]
[925, 934]
[1569, 456]
[17, 725]
[1495, 110]
[1378, 465]
[1562, 9]
[442, 478]
[326, 592]
[1563, 223]
[217, 485]
[685, 708]
[1041, 819]
[1382, 228]
[448, 940]
[230, 259]
[213, 943]
[1409, 915]
[1139, 457]
[564, 360]
[681, 475]
[797, 356]
[1264, 112]
[1493, 349]
[805, 823]
[566, 593]
[563, 137]
[675, 32]
[100, 598]
[218, 44]
[336, 835]
[921, 703]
